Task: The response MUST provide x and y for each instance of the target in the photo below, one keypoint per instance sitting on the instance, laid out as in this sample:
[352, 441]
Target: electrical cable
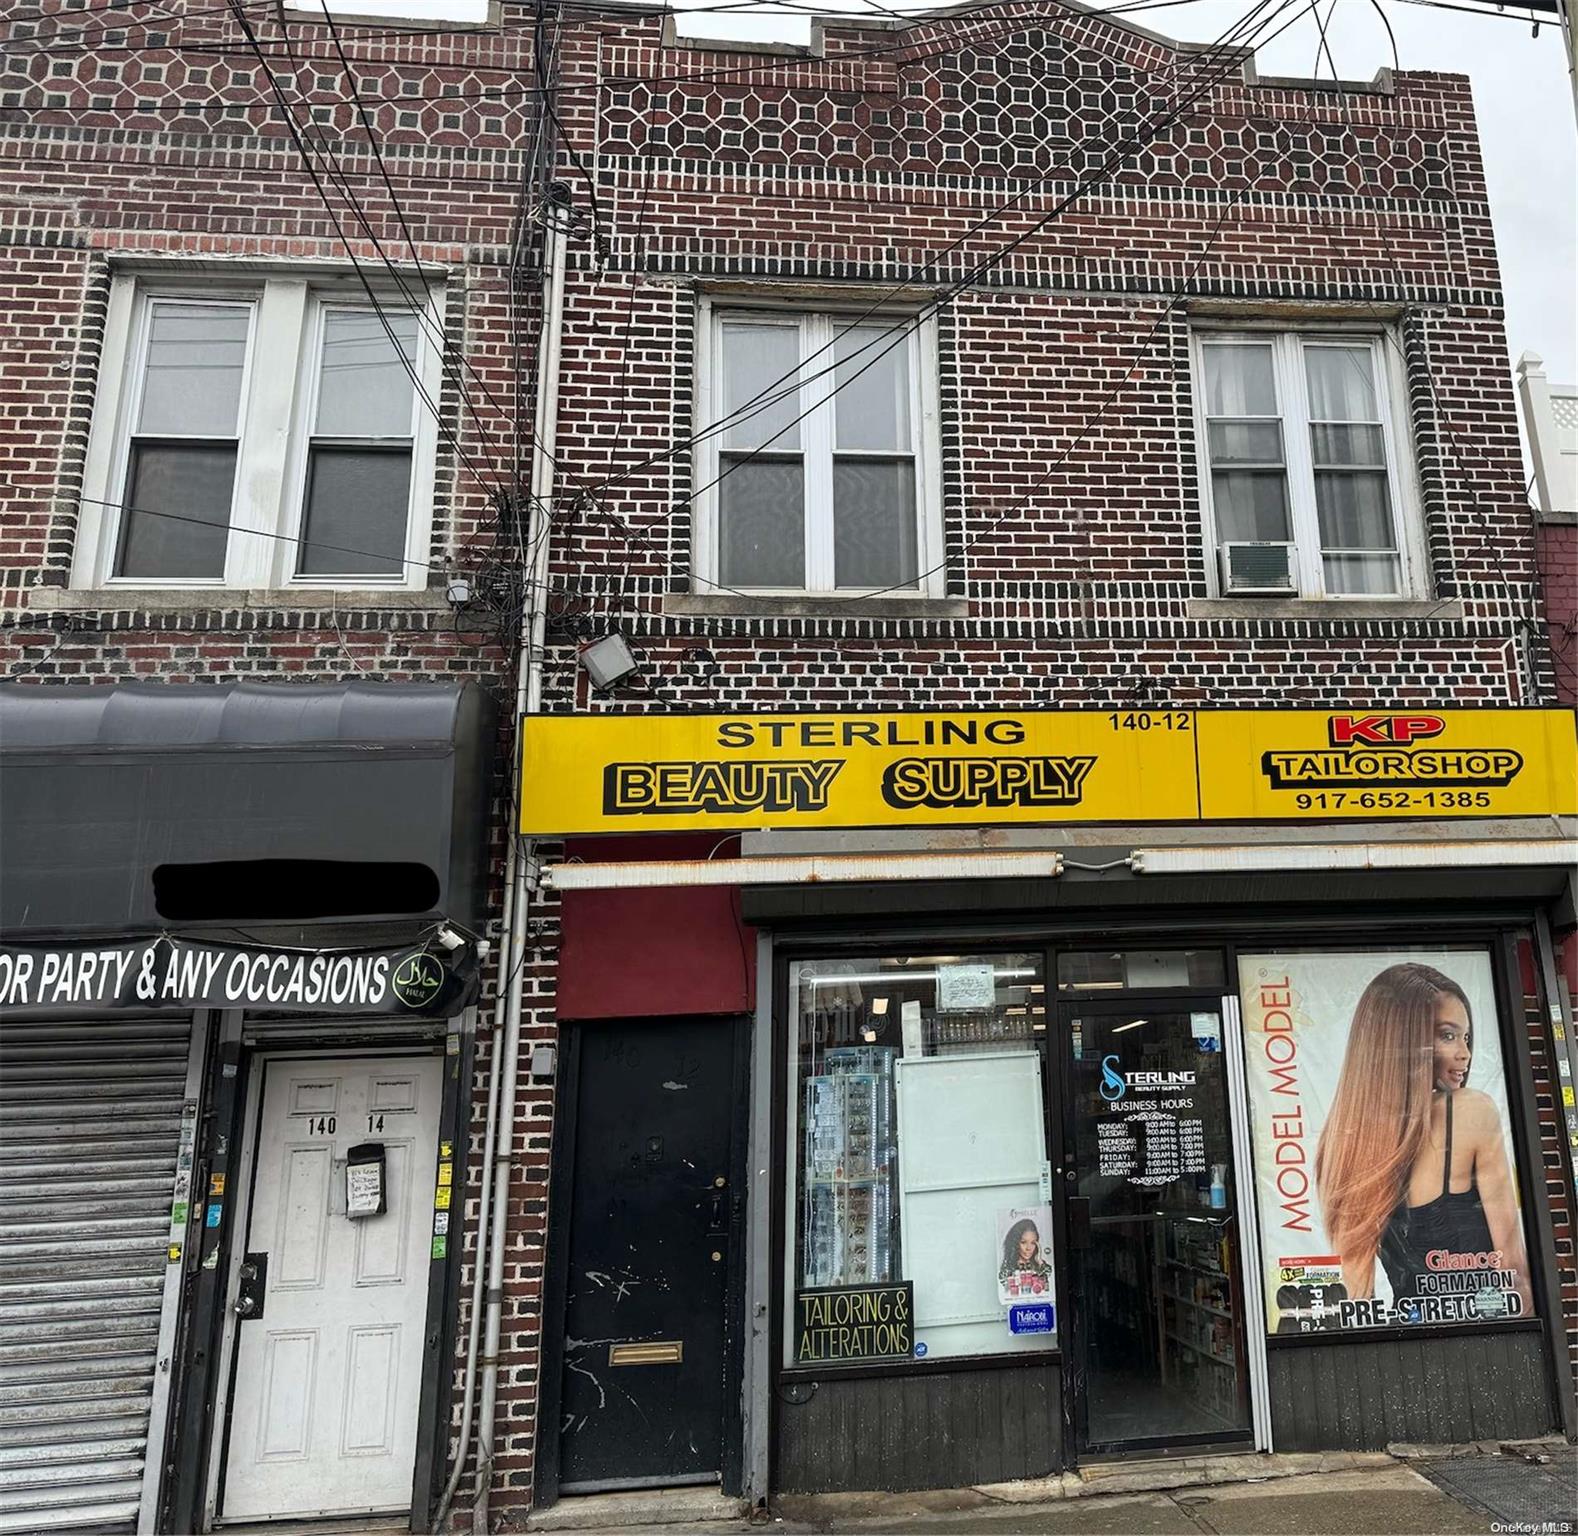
[334, 167]
[796, 378]
[418, 307]
[767, 65]
[307, 162]
[791, 56]
[1251, 17]
[819, 60]
[1527, 621]
[260, 533]
[614, 520]
[793, 380]
[898, 332]
[1311, 9]
[1236, 50]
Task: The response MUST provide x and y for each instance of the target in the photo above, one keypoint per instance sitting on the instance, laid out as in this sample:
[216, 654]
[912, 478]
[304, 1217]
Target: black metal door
[643, 1388]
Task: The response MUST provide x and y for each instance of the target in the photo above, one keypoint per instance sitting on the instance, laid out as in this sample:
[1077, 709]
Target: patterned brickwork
[1064, 192]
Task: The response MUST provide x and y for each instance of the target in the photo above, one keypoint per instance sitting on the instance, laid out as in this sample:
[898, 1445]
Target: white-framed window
[1306, 473]
[817, 455]
[261, 432]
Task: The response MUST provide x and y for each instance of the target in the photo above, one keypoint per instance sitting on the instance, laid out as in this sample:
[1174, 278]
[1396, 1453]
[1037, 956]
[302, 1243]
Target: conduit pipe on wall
[534, 633]
[499, 1139]
[484, 1201]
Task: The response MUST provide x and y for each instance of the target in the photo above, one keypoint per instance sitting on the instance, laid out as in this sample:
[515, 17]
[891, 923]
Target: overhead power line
[1229, 40]
[416, 382]
[795, 378]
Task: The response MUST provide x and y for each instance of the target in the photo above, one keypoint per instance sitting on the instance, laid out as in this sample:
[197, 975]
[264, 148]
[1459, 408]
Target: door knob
[253, 1289]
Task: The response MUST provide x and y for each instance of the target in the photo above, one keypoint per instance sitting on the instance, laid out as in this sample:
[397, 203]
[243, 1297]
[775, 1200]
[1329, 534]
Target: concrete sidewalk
[1392, 1500]
[1338, 1494]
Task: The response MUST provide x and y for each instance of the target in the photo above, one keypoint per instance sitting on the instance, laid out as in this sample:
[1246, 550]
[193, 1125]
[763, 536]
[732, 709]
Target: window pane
[193, 484]
[1348, 445]
[1239, 380]
[1245, 442]
[761, 360]
[355, 519]
[364, 388]
[918, 1144]
[1341, 383]
[192, 376]
[1109, 971]
[1355, 509]
[1251, 506]
[761, 523]
[1362, 573]
[872, 406]
[874, 523]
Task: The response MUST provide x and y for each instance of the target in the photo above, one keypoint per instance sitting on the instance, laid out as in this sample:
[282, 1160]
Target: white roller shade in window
[972, 1142]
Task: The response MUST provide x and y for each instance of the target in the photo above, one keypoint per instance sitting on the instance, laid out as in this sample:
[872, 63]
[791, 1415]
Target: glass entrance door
[1152, 1228]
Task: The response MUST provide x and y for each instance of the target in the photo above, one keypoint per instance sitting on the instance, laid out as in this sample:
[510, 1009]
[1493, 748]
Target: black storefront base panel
[913, 1430]
[1366, 1394]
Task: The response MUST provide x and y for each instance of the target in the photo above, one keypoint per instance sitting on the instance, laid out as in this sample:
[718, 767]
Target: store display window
[1384, 1171]
[919, 1221]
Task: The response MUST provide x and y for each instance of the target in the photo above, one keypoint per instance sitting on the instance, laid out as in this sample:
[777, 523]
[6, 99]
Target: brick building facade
[1040, 223]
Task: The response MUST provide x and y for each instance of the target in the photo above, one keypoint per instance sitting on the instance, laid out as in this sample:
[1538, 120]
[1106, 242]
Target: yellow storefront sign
[1310, 765]
[650, 773]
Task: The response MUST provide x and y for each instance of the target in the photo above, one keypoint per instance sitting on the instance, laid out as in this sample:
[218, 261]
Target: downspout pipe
[484, 1204]
[528, 700]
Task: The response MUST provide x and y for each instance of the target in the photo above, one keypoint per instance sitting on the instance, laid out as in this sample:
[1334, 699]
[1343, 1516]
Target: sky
[1522, 97]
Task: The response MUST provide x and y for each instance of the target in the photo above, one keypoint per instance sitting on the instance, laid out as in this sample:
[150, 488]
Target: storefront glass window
[919, 1210]
[1135, 969]
[1384, 1171]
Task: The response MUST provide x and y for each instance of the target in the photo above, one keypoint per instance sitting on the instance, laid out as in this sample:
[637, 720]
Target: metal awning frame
[816, 869]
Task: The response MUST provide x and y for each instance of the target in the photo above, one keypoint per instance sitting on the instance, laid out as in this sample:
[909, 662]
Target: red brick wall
[1556, 552]
[929, 158]
[138, 150]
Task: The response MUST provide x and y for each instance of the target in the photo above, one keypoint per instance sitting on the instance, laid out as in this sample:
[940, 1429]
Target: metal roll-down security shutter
[90, 1131]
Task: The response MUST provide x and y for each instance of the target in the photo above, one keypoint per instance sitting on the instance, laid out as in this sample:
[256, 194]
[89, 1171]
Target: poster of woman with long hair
[1024, 1270]
[1383, 1168]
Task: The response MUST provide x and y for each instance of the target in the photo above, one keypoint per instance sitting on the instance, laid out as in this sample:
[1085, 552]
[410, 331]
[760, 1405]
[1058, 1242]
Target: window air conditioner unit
[1257, 568]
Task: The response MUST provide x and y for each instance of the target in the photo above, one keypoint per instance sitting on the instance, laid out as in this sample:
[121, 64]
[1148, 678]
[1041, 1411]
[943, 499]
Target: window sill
[207, 599]
[1326, 609]
[929, 1365]
[728, 605]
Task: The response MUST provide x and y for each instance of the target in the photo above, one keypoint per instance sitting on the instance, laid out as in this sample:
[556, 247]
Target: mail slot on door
[650, 1352]
[366, 1186]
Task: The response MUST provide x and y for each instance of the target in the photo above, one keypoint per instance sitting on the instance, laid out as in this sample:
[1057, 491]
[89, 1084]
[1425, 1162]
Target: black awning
[141, 806]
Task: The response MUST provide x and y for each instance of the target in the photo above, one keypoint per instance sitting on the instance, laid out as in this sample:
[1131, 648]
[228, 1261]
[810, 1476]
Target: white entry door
[328, 1372]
